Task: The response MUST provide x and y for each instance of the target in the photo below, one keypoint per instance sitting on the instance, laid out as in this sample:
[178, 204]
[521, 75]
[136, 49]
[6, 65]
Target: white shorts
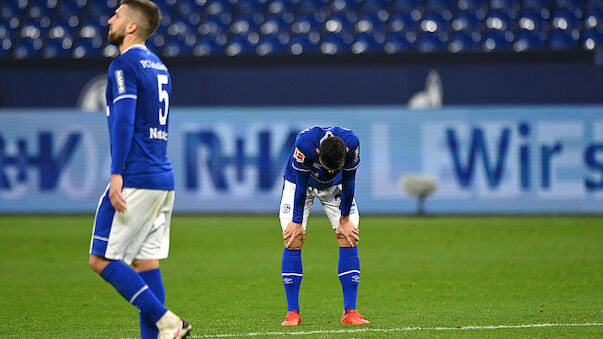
[329, 197]
[142, 232]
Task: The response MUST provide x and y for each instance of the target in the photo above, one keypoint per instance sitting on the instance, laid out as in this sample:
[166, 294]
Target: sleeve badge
[299, 156]
[357, 154]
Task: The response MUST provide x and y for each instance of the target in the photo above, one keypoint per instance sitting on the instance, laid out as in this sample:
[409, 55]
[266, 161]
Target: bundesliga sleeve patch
[299, 156]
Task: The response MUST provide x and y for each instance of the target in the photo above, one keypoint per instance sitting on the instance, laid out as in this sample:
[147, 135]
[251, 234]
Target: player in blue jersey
[323, 166]
[132, 223]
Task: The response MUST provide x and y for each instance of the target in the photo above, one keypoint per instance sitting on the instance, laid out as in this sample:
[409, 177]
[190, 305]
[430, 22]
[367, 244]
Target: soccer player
[132, 223]
[323, 165]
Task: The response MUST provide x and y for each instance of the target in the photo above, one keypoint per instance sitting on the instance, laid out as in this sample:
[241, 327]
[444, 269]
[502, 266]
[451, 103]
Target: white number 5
[162, 79]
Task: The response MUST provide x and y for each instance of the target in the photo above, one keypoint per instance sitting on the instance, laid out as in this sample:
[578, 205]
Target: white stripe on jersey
[348, 272]
[351, 169]
[125, 96]
[299, 169]
[100, 238]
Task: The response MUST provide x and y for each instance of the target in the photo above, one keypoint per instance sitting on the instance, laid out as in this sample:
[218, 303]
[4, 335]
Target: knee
[93, 262]
[145, 265]
[297, 244]
[97, 263]
[344, 243]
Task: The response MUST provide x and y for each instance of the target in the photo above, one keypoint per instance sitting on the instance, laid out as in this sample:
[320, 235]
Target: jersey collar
[135, 46]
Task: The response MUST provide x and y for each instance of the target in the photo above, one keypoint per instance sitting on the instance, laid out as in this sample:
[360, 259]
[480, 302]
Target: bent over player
[323, 165]
[132, 223]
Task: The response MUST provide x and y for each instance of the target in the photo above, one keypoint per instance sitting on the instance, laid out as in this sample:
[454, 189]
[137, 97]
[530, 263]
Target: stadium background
[498, 100]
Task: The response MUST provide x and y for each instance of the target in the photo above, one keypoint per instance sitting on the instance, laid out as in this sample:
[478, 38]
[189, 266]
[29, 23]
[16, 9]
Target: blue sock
[131, 286]
[148, 329]
[349, 275]
[292, 276]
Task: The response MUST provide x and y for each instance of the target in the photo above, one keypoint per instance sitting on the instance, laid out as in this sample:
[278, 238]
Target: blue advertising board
[83, 83]
[231, 160]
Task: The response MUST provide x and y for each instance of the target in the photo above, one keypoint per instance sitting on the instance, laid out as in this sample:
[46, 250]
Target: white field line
[390, 330]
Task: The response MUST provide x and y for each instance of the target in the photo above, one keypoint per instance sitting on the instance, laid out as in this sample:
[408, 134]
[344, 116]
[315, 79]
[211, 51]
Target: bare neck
[129, 41]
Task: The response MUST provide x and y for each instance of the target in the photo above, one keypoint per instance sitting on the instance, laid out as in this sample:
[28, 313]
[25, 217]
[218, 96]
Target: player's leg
[146, 264]
[291, 267]
[129, 284]
[151, 274]
[155, 247]
[125, 280]
[348, 267]
[115, 237]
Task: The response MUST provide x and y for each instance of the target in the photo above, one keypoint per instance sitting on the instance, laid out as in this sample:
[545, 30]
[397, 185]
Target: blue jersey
[138, 97]
[304, 168]
[305, 158]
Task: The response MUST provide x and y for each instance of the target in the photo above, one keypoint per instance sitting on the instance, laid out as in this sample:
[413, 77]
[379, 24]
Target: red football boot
[292, 319]
[352, 317]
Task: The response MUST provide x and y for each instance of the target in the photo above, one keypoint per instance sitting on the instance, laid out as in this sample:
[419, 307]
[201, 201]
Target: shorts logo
[356, 278]
[286, 208]
[121, 84]
[287, 281]
[299, 156]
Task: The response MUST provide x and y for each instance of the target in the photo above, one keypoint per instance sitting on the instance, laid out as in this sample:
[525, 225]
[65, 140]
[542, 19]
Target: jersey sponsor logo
[299, 156]
[286, 208]
[121, 83]
[155, 133]
[153, 65]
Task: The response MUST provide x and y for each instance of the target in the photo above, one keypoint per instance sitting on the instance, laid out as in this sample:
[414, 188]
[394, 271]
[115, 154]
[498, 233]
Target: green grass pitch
[223, 275]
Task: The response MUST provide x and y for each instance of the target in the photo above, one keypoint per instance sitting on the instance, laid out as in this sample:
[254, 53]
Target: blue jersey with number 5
[138, 99]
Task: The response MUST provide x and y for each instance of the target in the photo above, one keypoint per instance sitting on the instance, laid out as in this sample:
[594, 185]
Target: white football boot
[172, 327]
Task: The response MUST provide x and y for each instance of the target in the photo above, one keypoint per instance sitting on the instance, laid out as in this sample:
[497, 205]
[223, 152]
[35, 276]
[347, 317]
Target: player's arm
[301, 187]
[346, 229]
[295, 229]
[348, 184]
[348, 175]
[122, 128]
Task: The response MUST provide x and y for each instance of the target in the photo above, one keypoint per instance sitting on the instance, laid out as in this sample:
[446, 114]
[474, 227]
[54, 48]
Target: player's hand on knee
[117, 199]
[347, 233]
[294, 232]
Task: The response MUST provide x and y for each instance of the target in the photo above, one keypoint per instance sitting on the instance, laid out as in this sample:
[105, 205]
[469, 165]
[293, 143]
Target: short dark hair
[332, 153]
[150, 12]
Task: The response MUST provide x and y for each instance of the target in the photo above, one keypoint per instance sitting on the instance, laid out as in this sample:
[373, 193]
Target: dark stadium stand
[31, 29]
